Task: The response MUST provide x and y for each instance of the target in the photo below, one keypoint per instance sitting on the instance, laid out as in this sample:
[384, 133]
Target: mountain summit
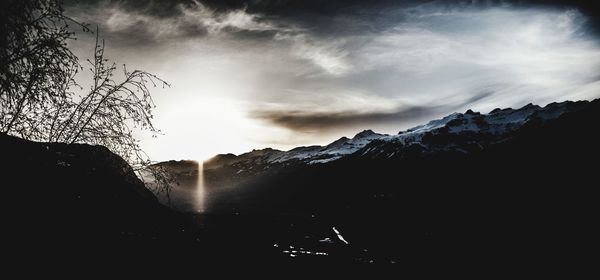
[466, 188]
[457, 132]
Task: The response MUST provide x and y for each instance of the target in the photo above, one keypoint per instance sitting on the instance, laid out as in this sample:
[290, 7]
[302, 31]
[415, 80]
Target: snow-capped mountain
[496, 182]
[457, 132]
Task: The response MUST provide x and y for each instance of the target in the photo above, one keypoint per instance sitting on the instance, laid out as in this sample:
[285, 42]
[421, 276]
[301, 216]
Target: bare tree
[36, 66]
[37, 79]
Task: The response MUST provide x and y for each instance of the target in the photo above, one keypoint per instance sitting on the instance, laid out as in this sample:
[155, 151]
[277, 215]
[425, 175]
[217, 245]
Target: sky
[284, 73]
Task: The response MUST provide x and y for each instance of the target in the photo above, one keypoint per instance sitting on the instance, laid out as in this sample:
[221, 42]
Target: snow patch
[496, 122]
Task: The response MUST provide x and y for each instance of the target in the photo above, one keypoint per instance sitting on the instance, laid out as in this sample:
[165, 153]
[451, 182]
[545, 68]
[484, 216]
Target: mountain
[75, 206]
[183, 178]
[70, 205]
[459, 132]
[181, 172]
[511, 188]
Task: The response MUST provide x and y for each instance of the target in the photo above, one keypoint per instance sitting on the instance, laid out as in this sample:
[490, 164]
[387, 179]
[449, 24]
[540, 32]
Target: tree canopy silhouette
[41, 100]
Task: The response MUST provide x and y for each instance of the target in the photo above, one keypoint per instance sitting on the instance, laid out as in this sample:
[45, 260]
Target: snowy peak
[337, 143]
[345, 146]
[255, 157]
[465, 131]
[430, 126]
[470, 112]
[498, 121]
[365, 134]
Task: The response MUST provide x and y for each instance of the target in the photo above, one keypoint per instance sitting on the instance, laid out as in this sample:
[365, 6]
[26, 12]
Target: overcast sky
[255, 74]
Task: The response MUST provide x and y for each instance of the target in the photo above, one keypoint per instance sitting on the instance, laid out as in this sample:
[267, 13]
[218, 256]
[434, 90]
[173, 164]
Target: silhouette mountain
[512, 187]
[75, 205]
[460, 133]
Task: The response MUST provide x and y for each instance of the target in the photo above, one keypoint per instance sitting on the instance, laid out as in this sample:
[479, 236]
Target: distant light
[339, 235]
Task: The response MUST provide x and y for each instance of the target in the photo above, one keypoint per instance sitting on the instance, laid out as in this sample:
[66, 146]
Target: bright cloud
[270, 81]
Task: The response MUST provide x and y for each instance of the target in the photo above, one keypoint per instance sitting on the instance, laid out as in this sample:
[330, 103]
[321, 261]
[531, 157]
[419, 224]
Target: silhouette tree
[36, 66]
[37, 83]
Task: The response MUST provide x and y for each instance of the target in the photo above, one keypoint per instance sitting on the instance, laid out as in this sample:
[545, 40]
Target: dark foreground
[530, 202]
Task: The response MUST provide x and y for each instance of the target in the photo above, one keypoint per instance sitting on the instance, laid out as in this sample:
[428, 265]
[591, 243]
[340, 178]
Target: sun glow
[279, 85]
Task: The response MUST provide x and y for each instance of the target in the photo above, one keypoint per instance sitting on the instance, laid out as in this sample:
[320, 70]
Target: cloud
[336, 67]
[182, 20]
[315, 14]
[423, 54]
[303, 121]
[200, 15]
[354, 111]
[330, 56]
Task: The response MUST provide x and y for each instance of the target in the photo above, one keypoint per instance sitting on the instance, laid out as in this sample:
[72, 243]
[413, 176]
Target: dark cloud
[479, 97]
[286, 8]
[291, 8]
[148, 24]
[336, 66]
[591, 9]
[157, 8]
[338, 7]
[316, 17]
[306, 121]
[301, 121]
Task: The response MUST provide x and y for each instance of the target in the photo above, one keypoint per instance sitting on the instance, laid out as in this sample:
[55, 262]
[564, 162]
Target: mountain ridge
[521, 192]
[469, 130]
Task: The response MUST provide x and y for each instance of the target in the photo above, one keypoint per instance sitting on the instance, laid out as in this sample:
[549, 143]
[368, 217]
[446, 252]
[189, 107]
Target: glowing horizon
[246, 80]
